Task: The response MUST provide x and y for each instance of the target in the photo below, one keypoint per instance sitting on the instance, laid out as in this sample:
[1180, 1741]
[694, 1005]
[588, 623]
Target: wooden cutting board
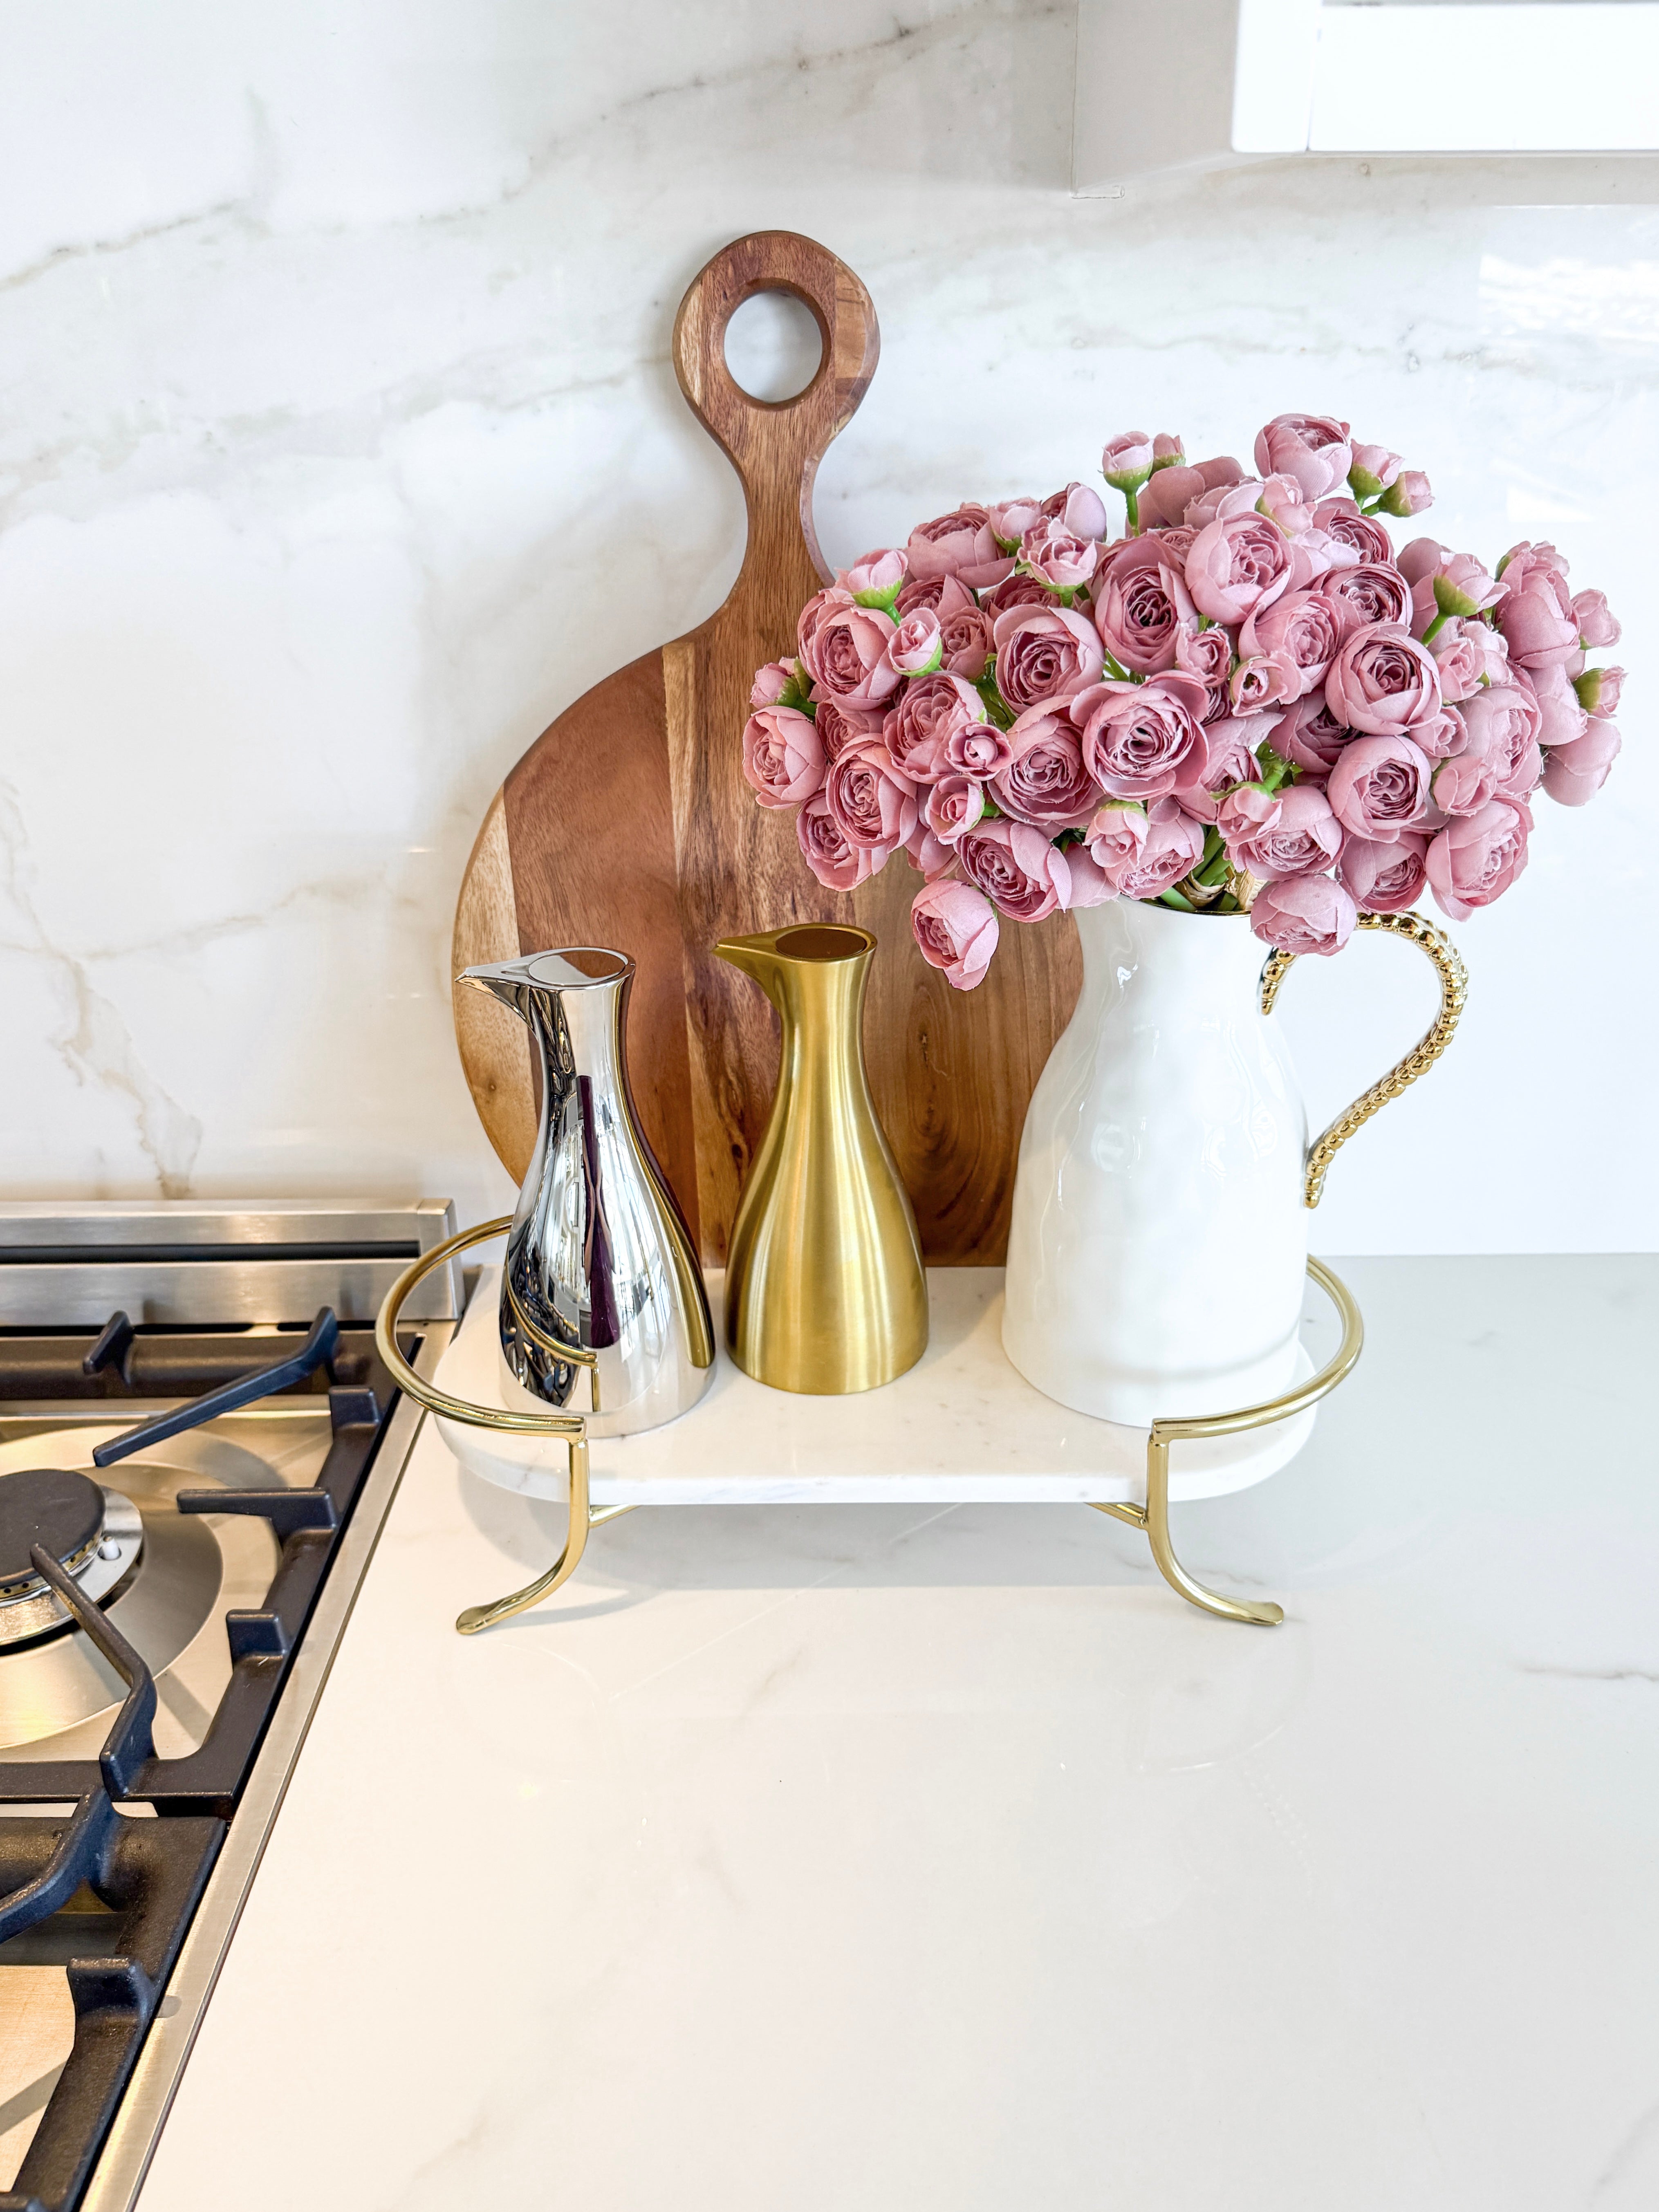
[628, 823]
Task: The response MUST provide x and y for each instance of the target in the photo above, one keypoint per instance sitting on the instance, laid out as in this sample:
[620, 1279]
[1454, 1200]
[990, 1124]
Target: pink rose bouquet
[1248, 703]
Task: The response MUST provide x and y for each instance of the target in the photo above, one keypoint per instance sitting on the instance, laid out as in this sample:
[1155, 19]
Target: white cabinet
[1177, 84]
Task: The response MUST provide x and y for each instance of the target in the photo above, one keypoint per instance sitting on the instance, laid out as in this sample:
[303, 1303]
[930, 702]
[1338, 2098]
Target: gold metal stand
[571, 1428]
[1153, 1517]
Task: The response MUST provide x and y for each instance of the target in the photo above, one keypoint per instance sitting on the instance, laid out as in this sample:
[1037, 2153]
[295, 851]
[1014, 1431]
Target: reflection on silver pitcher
[600, 1279]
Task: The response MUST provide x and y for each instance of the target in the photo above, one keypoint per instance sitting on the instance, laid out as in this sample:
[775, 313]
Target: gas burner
[96, 1535]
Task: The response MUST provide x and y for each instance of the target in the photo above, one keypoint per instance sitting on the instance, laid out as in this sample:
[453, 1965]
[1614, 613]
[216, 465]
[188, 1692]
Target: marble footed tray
[962, 1424]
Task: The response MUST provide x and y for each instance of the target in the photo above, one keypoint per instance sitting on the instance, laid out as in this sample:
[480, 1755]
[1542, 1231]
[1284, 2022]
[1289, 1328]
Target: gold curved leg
[1266, 1615]
[1154, 1518]
[582, 1518]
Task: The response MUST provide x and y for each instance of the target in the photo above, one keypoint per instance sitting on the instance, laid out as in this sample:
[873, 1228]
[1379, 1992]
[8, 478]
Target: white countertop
[800, 1858]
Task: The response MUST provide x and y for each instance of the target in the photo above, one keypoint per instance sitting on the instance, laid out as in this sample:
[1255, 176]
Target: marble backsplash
[340, 449]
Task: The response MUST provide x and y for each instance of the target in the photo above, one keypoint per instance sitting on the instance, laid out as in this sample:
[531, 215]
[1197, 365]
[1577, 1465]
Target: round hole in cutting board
[773, 347]
[819, 942]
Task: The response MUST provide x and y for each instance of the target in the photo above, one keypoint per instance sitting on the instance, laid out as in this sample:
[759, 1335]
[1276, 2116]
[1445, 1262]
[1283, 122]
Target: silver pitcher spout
[600, 1278]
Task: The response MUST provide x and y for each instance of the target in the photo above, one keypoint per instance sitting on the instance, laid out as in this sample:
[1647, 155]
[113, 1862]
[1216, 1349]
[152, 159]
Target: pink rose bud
[929, 591]
[1315, 449]
[783, 759]
[1090, 885]
[1236, 565]
[1561, 714]
[1166, 452]
[1368, 591]
[838, 864]
[977, 748]
[1457, 588]
[955, 929]
[1079, 508]
[1574, 774]
[954, 804]
[1172, 847]
[1017, 867]
[1141, 605]
[840, 726]
[1117, 833]
[1310, 737]
[1126, 462]
[1382, 680]
[927, 854]
[1045, 782]
[1528, 559]
[1469, 654]
[1598, 689]
[874, 803]
[1055, 557]
[1265, 679]
[1205, 654]
[1379, 787]
[771, 682]
[929, 711]
[1354, 532]
[1535, 613]
[1409, 494]
[874, 579]
[1596, 625]
[1166, 497]
[1504, 721]
[1303, 840]
[847, 655]
[1384, 878]
[1011, 518]
[1226, 756]
[1246, 812]
[962, 544]
[1044, 655]
[1140, 739]
[1474, 860]
[1281, 498]
[1304, 914]
[916, 647]
[964, 631]
[1305, 628]
[1373, 469]
[1464, 784]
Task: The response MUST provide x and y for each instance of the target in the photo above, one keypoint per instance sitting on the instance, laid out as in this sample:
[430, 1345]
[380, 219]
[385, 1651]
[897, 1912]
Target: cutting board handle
[775, 445]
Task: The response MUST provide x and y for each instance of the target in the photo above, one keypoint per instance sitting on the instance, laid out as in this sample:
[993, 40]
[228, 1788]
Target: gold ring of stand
[571, 1428]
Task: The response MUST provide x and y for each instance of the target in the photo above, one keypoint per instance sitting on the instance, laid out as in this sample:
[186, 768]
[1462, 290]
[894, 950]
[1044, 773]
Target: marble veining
[931, 1855]
[340, 449]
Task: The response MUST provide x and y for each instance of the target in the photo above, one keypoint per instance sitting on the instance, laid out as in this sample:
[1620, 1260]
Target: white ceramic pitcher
[1159, 1237]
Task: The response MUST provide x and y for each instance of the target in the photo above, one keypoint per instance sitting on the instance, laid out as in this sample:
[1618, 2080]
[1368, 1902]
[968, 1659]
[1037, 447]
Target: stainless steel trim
[216, 1221]
[205, 1260]
[125, 2160]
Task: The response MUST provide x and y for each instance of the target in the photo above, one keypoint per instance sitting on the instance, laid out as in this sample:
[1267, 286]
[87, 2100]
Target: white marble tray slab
[962, 1424]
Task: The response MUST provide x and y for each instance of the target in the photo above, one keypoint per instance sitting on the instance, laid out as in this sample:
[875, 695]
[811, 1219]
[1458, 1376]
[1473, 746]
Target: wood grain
[591, 831]
[951, 1072]
[495, 1045]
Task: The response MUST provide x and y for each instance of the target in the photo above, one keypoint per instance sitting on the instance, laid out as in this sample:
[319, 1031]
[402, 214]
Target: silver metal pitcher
[600, 1280]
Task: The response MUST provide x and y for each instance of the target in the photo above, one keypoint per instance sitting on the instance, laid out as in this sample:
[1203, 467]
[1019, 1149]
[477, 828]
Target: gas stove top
[198, 1444]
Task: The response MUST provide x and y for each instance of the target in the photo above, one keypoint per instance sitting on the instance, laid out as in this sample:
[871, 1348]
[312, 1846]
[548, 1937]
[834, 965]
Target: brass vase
[825, 1289]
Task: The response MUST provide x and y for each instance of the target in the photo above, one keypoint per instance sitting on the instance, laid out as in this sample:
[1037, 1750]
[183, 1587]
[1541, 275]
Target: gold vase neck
[813, 973]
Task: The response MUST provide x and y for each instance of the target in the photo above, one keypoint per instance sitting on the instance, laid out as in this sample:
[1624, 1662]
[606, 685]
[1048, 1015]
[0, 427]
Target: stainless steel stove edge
[69, 1264]
[119, 2176]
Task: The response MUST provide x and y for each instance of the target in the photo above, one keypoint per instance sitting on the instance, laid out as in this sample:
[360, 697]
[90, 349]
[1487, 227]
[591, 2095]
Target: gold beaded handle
[1418, 930]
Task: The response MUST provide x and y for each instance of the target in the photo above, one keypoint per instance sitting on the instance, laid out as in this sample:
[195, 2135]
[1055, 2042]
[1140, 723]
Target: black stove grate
[150, 1872]
[306, 1523]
